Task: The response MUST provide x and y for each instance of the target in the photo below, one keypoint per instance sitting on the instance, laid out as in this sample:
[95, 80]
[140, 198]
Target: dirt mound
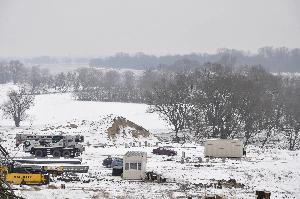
[121, 125]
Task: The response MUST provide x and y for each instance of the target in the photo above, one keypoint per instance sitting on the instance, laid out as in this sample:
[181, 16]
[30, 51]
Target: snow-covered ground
[274, 170]
[63, 68]
[60, 108]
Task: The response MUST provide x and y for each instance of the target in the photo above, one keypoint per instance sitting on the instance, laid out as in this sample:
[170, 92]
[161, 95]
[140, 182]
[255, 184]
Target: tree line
[82, 81]
[217, 101]
[87, 83]
[207, 101]
[37, 80]
[273, 59]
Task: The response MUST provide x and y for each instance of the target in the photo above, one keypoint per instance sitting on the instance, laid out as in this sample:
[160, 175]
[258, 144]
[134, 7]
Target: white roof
[135, 153]
[222, 139]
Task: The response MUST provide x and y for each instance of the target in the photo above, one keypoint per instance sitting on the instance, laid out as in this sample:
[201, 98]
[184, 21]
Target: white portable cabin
[134, 165]
[223, 148]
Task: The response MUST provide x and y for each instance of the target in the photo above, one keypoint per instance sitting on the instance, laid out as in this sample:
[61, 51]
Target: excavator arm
[4, 152]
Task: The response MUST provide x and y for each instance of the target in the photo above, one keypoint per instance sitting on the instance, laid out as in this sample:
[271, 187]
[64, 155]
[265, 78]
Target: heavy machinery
[17, 174]
[55, 145]
[6, 191]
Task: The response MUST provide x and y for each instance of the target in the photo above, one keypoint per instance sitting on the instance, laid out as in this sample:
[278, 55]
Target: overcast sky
[98, 27]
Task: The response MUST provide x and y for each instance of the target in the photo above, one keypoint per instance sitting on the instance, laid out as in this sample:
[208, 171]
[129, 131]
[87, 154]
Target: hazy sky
[98, 27]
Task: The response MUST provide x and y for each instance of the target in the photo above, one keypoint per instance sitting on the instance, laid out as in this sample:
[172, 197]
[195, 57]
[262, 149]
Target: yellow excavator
[18, 174]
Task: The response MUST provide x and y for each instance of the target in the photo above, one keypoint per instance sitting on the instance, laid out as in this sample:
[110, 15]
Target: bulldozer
[17, 174]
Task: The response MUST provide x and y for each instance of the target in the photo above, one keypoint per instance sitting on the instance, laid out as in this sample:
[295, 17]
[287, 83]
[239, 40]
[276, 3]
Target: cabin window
[139, 166]
[133, 166]
[127, 166]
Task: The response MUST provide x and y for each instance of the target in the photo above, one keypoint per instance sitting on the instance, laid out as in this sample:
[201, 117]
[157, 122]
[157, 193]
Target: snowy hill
[62, 108]
[120, 124]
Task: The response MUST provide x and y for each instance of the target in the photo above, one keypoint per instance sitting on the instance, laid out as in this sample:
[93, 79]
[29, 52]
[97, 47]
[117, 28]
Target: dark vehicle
[107, 162]
[117, 167]
[164, 151]
[117, 162]
[117, 171]
[111, 162]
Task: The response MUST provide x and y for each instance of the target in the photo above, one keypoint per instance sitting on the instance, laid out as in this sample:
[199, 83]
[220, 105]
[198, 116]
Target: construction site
[115, 158]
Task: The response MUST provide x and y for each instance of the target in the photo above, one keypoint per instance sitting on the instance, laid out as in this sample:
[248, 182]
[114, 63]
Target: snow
[274, 170]
[61, 108]
[63, 68]
[256, 172]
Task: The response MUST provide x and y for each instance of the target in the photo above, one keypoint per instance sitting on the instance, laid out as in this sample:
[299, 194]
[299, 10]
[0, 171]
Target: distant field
[58, 68]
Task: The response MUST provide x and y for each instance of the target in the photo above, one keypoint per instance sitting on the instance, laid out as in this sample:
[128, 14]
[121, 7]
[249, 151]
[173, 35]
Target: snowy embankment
[61, 108]
[275, 170]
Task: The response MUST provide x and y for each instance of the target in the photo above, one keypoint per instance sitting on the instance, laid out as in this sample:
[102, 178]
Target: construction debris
[263, 194]
[6, 190]
[29, 160]
[214, 197]
[151, 176]
[69, 177]
[219, 184]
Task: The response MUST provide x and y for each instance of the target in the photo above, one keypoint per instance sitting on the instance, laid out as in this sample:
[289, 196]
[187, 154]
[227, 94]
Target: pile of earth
[121, 125]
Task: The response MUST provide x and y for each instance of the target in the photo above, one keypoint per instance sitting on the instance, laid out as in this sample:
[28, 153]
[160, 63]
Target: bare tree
[112, 79]
[35, 80]
[129, 80]
[19, 102]
[171, 99]
[216, 99]
[259, 104]
[18, 71]
[5, 75]
[60, 82]
[88, 78]
[292, 113]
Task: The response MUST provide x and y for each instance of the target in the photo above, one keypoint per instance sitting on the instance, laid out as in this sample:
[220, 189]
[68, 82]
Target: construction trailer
[223, 148]
[134, 165]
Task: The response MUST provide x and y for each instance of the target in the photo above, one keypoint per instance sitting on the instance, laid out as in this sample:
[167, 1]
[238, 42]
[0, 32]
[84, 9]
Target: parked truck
[55, 145]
